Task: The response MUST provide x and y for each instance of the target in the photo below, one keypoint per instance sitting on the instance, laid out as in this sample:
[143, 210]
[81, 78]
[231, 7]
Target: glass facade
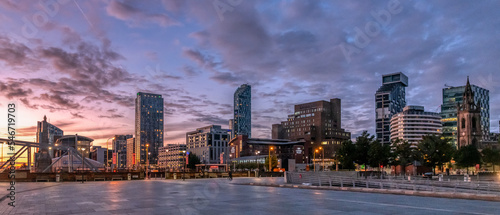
[148, 126]
[242, 123]
[390, 99]
[452, 96]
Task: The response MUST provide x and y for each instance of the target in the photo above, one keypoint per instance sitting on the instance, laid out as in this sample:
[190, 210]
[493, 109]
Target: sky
[81, 63]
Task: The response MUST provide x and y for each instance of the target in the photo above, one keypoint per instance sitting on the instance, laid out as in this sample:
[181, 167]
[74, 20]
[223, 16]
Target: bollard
[58, 177]
[129, 176]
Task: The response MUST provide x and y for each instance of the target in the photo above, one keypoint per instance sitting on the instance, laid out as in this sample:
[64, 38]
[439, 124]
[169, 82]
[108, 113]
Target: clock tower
[469, 119]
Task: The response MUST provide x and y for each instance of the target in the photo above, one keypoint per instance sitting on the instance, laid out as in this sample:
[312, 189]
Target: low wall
[26, 176]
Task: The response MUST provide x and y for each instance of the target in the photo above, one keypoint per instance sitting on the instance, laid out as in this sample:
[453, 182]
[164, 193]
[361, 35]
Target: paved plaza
[220, 196]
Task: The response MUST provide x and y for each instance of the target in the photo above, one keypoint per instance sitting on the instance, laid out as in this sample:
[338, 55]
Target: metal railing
[325, 179]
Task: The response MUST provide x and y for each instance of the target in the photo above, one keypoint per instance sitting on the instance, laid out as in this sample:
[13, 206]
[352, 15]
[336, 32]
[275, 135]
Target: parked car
[427, 175]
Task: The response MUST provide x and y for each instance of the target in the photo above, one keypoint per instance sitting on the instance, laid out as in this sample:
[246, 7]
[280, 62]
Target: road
[219, 196]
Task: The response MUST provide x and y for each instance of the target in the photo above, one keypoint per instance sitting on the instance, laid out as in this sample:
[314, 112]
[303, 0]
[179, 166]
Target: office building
[81, 143]
[131, 154]
[250, 150]
[46, 134]
[452, 97]
[469, 120]
[148, 127]
[120, 150]
[318, 123]
[414, 123]
[208, 143]
[98, 153]
[242, 121]
[390, 99]
[172, 157]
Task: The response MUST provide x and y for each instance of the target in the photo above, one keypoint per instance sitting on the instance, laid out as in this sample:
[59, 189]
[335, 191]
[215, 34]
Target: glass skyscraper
[148, 126]
[452, 96]
[242, 123]
[390, 99]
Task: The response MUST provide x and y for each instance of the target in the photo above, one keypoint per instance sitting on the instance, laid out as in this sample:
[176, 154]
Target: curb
[468, 196]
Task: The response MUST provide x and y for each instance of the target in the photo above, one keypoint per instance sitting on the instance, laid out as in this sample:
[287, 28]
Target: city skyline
[83, 67]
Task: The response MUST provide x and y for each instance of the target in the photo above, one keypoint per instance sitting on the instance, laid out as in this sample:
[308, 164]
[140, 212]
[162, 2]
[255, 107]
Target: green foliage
[274, 162]
[363, 143]
[403, 154]
[379, 154]
[467, 156]
[192, 161]
[491, 156]
[435, 151]
[346, 154]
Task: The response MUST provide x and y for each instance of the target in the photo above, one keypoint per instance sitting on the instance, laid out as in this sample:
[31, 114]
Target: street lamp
[269, 158]
[257, 158]
[107, 152]
[184, 169]
[314, 159]
[147, 161]
[323, 157]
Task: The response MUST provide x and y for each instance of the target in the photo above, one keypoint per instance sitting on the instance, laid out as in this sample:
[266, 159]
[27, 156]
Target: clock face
[463, 133]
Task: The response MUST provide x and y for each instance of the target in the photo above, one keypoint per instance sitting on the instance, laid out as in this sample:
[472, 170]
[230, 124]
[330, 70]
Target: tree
[192, 161]
[491, 156]
[346, 154]
[379, 154]
[435, 151]
[363, 143]
[274, 162]
[467, 156]
[403, 154]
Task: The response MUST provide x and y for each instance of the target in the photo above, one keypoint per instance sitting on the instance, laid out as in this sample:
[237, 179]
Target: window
[463, 122]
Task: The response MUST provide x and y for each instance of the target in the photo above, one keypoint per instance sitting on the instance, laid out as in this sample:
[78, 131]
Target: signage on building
[187, 158]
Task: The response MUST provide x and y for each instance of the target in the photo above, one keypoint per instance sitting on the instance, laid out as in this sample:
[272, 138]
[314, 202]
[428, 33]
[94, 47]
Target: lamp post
[314, 159]
[257, 158]
[269, 158]
[184, 169]
[323, 157]
[2, 152]
[107, 152]
[147, 161]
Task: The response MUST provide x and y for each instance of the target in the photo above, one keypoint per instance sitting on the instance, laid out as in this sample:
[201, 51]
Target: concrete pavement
[220, 196]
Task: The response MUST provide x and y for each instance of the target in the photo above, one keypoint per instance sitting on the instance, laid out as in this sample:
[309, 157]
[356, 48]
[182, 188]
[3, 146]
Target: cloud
[112, 116]
[136, 16]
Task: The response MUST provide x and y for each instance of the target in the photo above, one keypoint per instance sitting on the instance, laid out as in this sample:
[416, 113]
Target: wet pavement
[219, 196]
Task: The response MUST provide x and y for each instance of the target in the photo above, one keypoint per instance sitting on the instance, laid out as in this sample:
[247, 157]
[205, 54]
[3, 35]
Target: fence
[326, 179]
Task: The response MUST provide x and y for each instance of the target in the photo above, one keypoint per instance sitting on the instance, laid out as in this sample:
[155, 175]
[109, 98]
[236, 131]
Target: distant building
[81, 143]
[208, 143]
[242, 122]
[390, 99]
[414, 123]
[98, 153]
[469, 120]
[148, 126]
[318, 123]
[231, 122]
[244, 149]
[452, 96]
[46, 134]
[120, 150]
[172, 157]
[131, 153]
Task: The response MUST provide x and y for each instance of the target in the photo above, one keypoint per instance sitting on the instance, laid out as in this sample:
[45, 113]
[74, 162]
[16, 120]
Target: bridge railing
[327, 179]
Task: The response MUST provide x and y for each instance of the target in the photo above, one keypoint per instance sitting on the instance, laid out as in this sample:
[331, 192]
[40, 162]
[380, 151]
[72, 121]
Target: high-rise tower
[148, 127]
[242, 123]
[390, 99]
